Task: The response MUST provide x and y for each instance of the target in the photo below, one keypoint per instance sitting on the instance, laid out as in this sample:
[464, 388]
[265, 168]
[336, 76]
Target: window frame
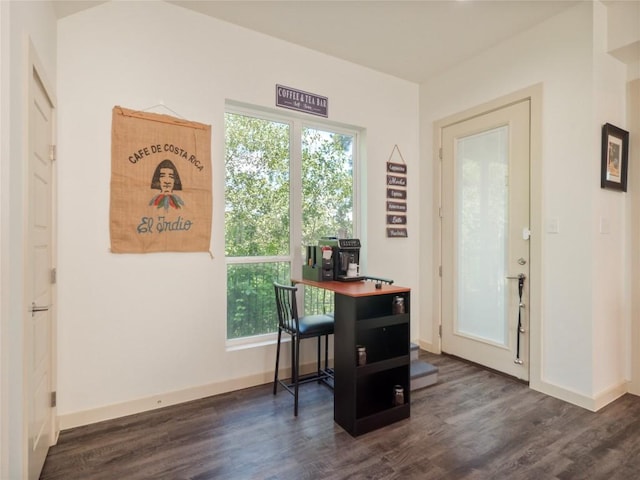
[297, 123]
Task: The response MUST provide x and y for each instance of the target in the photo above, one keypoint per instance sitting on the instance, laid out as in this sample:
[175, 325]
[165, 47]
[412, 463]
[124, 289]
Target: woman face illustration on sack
[166, 179]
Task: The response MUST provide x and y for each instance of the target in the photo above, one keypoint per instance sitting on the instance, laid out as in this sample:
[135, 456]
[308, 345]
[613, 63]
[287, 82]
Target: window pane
[258, 202]
[317, 301]
[256, 187]
[327, 185]
[251, 306]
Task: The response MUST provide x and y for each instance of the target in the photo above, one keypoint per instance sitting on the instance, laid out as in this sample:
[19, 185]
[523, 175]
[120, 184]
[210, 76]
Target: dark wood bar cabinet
[366, 396]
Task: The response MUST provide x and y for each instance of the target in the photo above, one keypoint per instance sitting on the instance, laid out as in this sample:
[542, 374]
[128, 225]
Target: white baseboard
[562, 393]
[109, 412]
[429, 347]
[634, 388]
[593, 404]
[609, 395]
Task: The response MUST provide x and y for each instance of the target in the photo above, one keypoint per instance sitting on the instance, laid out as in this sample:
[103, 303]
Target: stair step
[415, 351]
[423, 374]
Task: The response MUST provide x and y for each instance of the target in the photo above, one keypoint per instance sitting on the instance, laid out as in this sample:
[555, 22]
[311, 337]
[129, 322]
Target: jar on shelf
[398, 305]
[398, 395]
[362, 355]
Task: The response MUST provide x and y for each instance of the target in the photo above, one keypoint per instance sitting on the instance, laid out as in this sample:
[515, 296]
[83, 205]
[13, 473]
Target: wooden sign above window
[301, 101]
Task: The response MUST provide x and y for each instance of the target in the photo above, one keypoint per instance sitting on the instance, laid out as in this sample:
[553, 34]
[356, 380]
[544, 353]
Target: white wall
[623, 34]
[136, 329]
[611, 253]
[20, 24]
[633, 238]
[4, 241]
[576, 78]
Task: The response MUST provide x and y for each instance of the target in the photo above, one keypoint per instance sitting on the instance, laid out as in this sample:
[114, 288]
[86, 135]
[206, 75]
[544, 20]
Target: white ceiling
[413, 40]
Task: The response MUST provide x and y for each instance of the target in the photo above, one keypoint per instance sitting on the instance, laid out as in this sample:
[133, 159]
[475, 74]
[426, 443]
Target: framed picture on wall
[615, 153]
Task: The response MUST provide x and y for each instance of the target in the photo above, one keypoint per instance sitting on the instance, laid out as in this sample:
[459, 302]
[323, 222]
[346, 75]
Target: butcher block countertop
[359, 288]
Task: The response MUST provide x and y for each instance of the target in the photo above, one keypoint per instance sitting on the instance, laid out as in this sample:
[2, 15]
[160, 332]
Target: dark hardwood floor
[473, 424]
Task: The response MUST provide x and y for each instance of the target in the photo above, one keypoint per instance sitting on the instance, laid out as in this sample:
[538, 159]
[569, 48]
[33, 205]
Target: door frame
[633, 123]
[36, 68]
[534, 95]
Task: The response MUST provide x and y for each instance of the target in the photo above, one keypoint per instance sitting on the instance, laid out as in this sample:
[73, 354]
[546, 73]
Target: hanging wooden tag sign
[396, 197]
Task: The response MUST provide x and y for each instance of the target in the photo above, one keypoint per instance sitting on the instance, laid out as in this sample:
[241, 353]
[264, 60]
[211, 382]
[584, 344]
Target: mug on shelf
[398, 395]
[362, 355]
[352, 271]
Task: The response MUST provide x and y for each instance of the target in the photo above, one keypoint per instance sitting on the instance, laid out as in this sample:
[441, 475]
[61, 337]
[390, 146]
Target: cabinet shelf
[375, 392]
[384, 341]
[375, 367]
[381, 419]
[386, 321]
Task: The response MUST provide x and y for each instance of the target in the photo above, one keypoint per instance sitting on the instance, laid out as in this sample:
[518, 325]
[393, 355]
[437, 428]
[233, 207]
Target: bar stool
[299, 328]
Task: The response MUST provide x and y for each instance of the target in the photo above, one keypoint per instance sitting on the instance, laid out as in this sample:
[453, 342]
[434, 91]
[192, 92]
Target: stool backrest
[287, 307]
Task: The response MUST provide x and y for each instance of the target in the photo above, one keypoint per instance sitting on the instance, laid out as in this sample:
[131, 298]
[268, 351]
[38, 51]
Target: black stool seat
[309, 326]
[313, 325]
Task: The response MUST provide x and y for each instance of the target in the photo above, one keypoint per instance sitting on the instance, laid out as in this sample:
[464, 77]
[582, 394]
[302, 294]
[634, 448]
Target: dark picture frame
[615, 157]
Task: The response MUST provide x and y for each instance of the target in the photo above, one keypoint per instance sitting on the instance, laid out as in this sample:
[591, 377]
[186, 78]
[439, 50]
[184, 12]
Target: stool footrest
[325, 376]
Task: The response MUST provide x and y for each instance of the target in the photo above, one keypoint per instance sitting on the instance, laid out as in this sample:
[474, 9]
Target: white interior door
[38, 324]
[485, 246]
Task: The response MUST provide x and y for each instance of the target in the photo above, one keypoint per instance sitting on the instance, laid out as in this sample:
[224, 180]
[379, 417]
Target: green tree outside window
[258, 205]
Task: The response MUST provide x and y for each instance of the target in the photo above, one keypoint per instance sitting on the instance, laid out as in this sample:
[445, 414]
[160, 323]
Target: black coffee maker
[346, 252]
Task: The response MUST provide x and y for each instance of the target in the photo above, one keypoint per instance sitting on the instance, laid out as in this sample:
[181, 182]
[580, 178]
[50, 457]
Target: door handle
[520, 330]
[38, 308]
[520, 276]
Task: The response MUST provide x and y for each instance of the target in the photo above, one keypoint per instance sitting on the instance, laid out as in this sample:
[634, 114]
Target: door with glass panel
[485, 239]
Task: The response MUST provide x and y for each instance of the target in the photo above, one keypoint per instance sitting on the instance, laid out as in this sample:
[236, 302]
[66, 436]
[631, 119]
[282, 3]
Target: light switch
[605, 225]
[553, 225]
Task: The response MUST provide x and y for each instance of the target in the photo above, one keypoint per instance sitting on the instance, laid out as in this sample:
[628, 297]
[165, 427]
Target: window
[287, 184]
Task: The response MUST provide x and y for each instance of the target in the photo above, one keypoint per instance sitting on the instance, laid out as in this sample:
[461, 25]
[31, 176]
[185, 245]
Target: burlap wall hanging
[160, 183]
